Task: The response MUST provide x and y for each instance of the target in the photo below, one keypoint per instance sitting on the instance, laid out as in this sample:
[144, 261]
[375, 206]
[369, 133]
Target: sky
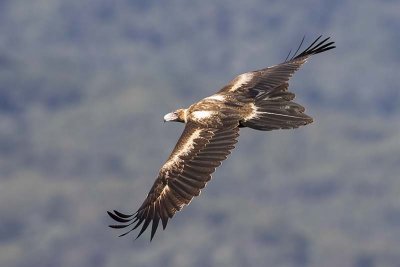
[84, 86]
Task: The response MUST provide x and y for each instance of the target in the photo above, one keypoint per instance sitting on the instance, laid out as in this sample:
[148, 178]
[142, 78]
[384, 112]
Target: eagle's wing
[267, 92]
[273, 80]
[196, 155]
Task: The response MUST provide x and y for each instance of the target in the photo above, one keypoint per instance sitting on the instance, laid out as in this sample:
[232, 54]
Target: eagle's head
[178, 115]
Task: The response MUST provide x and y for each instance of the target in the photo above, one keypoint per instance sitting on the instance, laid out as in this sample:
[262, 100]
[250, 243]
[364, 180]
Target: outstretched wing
[196, 155]
[259, 83]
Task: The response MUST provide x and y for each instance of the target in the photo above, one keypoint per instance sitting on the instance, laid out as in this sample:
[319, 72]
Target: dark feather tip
[122, 215]
[314, 48]
[119, 226]
[118, 219]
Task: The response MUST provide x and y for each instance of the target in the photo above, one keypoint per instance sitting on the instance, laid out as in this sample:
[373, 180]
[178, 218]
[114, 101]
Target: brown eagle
[257, 99]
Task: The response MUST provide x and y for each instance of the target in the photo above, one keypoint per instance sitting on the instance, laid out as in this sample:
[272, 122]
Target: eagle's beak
[170, 117]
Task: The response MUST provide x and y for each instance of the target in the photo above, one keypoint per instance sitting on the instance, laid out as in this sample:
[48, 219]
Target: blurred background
[84, 86]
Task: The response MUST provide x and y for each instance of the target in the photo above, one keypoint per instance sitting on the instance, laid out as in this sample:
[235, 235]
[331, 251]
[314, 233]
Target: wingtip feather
[122, 215]
[116, 218]
[314, 48]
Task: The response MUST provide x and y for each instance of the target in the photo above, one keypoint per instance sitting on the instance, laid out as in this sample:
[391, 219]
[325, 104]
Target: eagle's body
[257, 99]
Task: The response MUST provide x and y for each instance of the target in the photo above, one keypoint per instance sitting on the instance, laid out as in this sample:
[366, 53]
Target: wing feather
[195, 157]
[169, 206]
[156, 219]
[198, 170]
[163, 213]
[192, 181]
[248, 85]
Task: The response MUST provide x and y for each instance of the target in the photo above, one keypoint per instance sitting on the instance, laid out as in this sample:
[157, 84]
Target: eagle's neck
[184, 115]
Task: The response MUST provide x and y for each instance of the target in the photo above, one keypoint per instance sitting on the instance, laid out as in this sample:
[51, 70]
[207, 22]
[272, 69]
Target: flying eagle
[257, 99]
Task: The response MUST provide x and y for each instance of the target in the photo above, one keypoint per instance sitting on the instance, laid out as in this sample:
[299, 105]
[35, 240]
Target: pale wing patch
[240, 80]
[182, 151]
[202, 114]
[216, 97]
[280, 114]
[253, 114]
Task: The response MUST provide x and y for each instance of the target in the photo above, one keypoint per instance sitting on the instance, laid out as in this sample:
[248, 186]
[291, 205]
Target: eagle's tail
[276, 110]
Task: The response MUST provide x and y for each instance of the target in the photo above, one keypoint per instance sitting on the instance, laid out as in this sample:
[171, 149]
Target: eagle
[257, 99]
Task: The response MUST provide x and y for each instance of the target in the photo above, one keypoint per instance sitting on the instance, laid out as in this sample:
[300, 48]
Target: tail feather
[275, 110]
